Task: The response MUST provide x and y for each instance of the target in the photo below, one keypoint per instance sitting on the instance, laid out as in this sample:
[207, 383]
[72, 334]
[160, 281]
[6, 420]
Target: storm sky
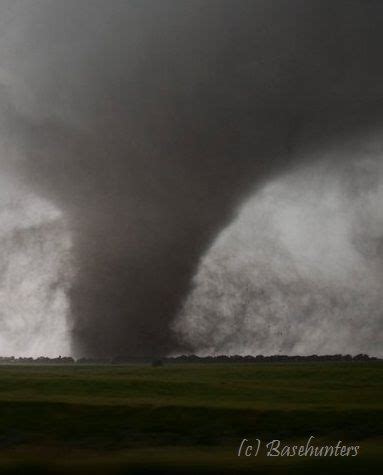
[144, 129]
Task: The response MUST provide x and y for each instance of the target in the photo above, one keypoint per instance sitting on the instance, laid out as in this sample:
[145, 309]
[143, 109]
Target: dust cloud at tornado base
[35, 275]
[299, 270]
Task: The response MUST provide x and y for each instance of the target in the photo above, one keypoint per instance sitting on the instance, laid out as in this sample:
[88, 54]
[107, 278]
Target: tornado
[146, 125]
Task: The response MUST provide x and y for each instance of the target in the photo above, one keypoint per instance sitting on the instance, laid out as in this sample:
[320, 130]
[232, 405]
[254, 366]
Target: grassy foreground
[187, 418]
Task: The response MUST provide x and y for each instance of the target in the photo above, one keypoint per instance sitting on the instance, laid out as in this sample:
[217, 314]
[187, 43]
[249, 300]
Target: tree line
[158, 361]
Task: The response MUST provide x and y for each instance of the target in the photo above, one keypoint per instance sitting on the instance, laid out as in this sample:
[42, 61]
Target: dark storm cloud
[147, 122]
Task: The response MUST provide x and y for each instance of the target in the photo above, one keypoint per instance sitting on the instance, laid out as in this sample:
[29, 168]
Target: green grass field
[187, 418]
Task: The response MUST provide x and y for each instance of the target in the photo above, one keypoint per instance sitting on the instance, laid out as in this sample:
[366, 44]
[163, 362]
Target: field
[187, 418]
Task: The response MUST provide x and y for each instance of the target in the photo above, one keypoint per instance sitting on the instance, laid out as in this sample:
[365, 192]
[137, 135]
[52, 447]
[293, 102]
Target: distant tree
[157, 362]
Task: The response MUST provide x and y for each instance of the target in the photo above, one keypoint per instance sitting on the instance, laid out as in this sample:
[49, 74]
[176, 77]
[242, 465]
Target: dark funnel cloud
[148, 122]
